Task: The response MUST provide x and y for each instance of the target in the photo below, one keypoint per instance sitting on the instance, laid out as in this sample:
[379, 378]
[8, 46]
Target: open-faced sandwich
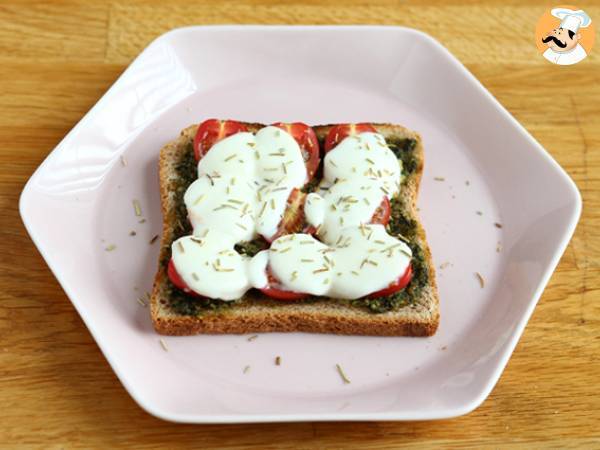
[291, 228]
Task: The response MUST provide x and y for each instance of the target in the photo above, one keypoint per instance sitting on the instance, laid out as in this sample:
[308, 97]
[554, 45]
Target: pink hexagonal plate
[79, 202]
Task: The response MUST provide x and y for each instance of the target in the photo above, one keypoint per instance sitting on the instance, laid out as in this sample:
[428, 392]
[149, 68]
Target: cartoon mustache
[556, 41]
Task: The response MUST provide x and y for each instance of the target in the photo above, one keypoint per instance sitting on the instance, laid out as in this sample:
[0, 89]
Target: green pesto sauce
[187, 305]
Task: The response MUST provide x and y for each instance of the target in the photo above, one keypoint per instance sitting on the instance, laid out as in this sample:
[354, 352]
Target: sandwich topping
[248, 184]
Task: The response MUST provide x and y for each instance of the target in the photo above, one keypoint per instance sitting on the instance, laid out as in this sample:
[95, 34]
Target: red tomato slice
[340, 132]
[382, 213]
[212, 131]
[307, 140]
[396, 286]
[178, 281]
[293, 217]
[274, 290]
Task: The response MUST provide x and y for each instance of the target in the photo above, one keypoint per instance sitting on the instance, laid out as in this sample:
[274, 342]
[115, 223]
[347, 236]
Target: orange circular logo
[565, 35]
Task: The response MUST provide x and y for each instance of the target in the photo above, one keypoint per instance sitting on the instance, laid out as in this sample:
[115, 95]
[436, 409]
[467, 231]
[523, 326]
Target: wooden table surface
[56, 388]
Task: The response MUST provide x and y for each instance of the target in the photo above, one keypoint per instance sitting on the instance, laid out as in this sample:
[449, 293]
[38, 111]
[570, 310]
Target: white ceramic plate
[79, 201]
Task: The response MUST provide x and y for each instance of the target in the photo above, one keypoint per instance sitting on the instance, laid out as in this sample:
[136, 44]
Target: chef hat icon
[570, 19]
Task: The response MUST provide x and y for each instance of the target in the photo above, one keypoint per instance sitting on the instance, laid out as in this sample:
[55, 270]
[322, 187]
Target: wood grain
[56, 388]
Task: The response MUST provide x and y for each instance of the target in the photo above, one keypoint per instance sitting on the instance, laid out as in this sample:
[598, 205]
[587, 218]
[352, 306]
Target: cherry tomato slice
[307, 140]
[382, 213]
[395, 286]
[178, 281]
[293, 217]
[273, 289]
[212, 131]
[340, 132]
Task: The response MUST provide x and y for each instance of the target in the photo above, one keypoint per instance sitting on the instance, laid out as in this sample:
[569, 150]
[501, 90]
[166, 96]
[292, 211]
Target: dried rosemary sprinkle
[306, 260]
[142, 221]
[132, 233]
[354, 272]
[199, 199]
[342, 374]
[262, 210]
[366, 200]
[403, 238]
[498, 225]
[181, 248]
[195, 276]
[137, 208]
[287, 249]
[230, 157]
[369, 160]
[479, 213]
[332, 163]
[324, 269]
[141, 302]
[278, 360]
[326, 281]
[110, 248]
[252, 338]
[212, 183]
[439, 178]
[378, 241]
[246, 369]
[272, 204]
[153, 240]
[385, 191]
[243, 227]
[232, 182]
[163, 344]
[284, 168]
[294, 275]
[233, 200]
[123, 161]
[481, 280]
[256, 154]
[405, 253]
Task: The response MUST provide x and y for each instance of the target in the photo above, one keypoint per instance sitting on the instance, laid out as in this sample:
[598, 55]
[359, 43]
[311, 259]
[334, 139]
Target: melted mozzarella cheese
[242, 190]
[364, 156]
[210, 266]
[358, 174]
[216, 203]
[346, 204]
[296, 261]
[367, 259]
[259, 171]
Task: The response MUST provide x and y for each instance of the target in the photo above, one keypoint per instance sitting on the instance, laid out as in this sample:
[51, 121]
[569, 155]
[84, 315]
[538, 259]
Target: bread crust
[265, 315]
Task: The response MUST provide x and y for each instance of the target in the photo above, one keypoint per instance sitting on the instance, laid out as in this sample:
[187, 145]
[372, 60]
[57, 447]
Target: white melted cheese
[345, 204]
[242, 189]
[358, 174]
[364, 156]
[366, 260]
[210, 266]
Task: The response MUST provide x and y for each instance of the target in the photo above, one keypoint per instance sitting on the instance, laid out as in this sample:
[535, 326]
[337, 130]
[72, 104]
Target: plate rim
[435, 413]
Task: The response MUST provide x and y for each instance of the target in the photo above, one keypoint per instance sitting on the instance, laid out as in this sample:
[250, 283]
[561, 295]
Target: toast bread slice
[254, 313]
